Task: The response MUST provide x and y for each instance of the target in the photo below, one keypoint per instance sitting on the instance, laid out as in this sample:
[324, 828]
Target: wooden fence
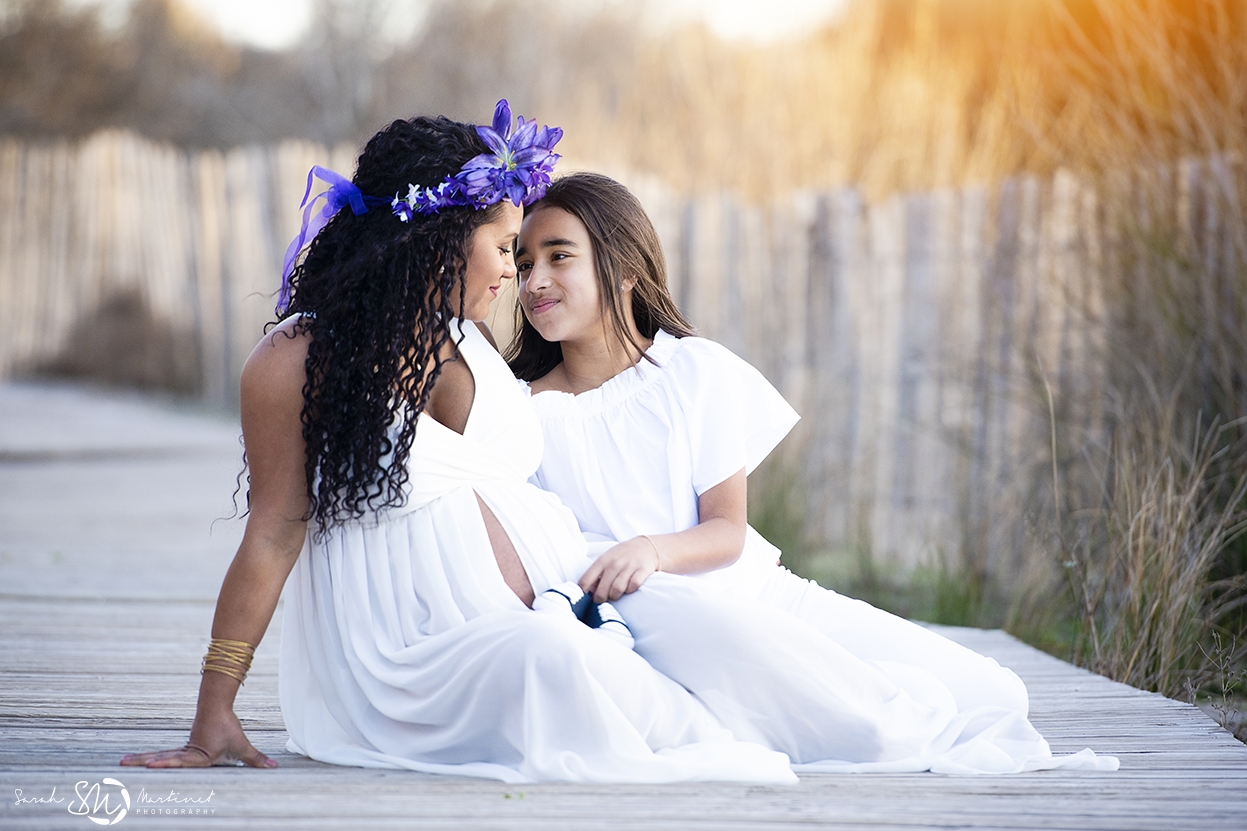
[914, 335]
[200, 235]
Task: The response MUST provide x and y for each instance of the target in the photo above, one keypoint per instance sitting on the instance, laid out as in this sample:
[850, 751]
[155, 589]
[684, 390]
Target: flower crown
[518, 168]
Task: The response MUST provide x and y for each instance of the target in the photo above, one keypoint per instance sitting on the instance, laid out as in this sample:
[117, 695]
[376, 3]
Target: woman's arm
[714, 542]
[272, 402]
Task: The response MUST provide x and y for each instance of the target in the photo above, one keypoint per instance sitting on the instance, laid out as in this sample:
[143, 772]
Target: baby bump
[412, 573]
[541, 528]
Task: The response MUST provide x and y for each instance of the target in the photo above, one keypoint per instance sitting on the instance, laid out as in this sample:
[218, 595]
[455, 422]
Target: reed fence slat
[915, 335]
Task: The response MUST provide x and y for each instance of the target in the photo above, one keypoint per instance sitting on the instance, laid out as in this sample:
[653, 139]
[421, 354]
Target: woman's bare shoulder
[275, 368]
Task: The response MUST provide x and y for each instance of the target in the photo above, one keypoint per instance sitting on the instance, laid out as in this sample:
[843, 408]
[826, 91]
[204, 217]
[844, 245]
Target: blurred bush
[122, 343]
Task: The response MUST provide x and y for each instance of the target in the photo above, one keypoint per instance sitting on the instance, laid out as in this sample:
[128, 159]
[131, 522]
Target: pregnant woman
[388, 449]
[649, 435]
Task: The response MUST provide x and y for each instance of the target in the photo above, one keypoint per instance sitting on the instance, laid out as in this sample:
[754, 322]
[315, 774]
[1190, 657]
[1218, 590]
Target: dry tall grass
[1154, 507]
[916, 94]
[1141, 569]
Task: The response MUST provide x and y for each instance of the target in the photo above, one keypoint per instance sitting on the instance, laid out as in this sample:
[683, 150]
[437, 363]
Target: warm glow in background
[759, 98]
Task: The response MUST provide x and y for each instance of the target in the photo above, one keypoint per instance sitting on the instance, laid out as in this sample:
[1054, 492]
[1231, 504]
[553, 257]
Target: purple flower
[517, 167]
[517, 163]
[401, 209]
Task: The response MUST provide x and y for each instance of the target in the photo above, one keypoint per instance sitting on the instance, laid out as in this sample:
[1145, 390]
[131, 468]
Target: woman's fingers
[180, 757]
[141, 759]
[136, 759]
[254, 758]
[193, 756]
[180, 760]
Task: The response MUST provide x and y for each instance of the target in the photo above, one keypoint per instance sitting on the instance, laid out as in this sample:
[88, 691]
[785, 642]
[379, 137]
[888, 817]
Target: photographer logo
[104, 803]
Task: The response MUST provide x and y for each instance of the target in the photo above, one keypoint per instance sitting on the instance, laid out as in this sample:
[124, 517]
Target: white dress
[833, 682]
[403, 647]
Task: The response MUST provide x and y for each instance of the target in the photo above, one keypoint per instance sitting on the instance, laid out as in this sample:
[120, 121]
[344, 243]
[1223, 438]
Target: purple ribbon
[341, 192]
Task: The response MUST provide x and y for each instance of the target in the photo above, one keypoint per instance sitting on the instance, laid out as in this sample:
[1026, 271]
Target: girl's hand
[213, 739]
[621, 570]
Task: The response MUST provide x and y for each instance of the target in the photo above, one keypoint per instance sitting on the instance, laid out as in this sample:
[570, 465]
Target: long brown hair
[625, 245]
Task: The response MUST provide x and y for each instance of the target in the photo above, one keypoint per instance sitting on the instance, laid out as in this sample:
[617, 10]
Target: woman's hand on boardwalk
[219, 739]
[621, 570]
[271, 403]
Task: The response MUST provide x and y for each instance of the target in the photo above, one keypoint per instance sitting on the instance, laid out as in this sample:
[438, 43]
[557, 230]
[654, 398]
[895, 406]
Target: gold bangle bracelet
[232, 673]
[657, 554]
[232, 658]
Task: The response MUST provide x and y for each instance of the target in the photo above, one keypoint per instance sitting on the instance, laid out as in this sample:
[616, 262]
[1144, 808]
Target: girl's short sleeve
[734, 416]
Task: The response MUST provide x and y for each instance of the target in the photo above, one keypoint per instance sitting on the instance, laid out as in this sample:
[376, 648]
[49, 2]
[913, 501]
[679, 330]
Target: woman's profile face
[558, 279]
[490, 261]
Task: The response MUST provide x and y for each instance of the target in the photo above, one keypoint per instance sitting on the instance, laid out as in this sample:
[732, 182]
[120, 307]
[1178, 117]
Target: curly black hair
[374, 294]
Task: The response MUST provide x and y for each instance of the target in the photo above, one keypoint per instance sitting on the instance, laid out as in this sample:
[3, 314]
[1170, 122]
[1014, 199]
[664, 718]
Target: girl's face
[490, 261]
[558, 278]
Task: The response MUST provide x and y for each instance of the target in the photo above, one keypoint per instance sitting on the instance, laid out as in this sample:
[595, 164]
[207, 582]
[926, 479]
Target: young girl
[388, 451]
[649, 435]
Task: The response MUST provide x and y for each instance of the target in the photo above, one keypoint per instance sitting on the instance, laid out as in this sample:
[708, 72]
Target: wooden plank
[212, 316]
[85, 680]
[882, 355]
[791, 222]
[252, 269]
[704, 286]
[29, 244]
[11, 275]
[59, 277]
[758, 320]
[828, 445]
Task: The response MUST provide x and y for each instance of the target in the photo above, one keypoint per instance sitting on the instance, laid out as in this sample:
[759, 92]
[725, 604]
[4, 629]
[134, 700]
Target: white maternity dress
[834, 682]
[403, 647]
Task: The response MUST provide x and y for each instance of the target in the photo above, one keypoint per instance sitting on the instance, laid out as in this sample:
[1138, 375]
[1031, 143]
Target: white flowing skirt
[837, 684]
[402, 647]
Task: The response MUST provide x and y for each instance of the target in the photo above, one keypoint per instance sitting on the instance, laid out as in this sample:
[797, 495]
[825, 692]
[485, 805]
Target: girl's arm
[714, 542]
[272, 402]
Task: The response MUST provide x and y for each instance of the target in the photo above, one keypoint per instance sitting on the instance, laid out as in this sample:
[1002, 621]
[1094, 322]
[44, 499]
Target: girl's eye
[522, 267]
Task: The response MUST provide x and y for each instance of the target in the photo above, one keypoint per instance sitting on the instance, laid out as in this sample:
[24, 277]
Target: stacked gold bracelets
[232, 658]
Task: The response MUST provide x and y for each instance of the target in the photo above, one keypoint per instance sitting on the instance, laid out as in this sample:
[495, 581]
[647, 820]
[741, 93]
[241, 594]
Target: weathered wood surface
[911, 334]
[108, 571]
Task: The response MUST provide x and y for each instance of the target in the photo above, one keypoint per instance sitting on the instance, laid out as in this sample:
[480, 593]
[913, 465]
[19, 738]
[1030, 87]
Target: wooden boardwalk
[109, 564]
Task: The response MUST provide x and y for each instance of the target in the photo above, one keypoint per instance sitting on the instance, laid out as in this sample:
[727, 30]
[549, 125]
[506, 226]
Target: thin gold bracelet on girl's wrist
[657, 555]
